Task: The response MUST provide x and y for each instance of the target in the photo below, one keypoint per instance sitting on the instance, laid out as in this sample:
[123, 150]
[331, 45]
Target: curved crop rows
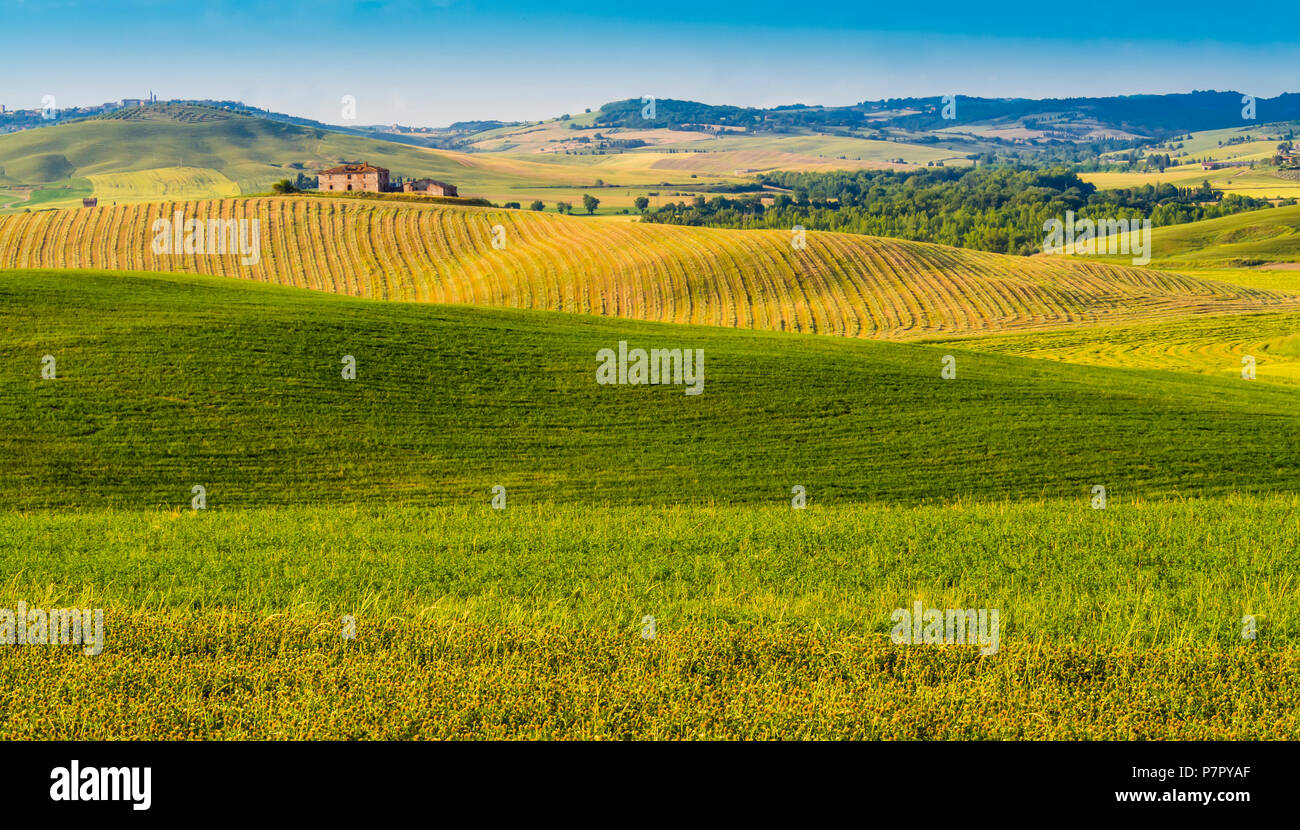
[1210, 345]
[844, 284]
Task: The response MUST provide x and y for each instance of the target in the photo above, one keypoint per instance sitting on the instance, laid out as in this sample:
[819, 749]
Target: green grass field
[241, 391]
[371, 498]
[53, 195]
[1123, 623]
[1265, 278]
[1213, 143]
[1255, 238]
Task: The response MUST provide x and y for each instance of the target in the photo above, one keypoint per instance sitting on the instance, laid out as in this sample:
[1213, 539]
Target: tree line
[1000, 209]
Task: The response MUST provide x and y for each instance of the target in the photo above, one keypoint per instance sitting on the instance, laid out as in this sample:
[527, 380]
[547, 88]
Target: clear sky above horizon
[432, 63]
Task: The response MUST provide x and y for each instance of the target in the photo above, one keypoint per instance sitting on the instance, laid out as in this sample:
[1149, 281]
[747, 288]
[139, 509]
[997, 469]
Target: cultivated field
[362, 506]
[1253, 238]
[802, 148]
[746, 162]
[1256, 183]
[185, 151]
[1212, 145]
[770, 623]
[371, 497]
[1212, 345]
[842, 284]
[230, 393]
[163, 183]
[51, 196]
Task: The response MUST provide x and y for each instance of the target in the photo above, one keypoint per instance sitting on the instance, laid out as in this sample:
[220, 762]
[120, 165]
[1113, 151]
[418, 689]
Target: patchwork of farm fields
[56, 195]
[836, 283]
[348, 577]
[1260, 184]
[470, 622]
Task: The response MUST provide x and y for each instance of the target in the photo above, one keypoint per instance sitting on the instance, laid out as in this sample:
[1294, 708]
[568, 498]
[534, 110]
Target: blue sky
[432, 63]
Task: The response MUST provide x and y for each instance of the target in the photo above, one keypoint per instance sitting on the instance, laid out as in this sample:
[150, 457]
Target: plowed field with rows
[844, 284]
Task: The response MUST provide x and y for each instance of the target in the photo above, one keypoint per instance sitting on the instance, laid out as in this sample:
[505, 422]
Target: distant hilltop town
[12, 121]
[51, 111]
[368, 178]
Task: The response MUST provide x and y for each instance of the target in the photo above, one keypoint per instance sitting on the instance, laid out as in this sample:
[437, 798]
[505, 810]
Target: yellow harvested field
[741, 162]
[832, 148]
[489, 168]
[1212, 345]
[1281, 276]
[1238, 180]
[162, 183]
[842, 284]
[645, 167]
[543, 138]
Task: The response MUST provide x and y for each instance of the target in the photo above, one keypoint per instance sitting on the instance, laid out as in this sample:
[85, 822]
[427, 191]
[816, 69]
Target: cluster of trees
[1001, 209]
[1285, 159]
[589, 202]
[672, 113]
[1159, 161]
[295, 185]
[1083, 155]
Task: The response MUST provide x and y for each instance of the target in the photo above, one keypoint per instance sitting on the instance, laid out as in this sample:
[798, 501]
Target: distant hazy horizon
[431, 64]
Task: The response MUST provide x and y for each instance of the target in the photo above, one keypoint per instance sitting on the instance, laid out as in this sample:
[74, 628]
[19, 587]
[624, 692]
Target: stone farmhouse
[368, 178]
[363, 176]
[430, 187]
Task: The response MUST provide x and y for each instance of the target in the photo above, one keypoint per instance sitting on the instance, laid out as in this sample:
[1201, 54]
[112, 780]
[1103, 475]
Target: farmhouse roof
[363, 167]
[432, 181]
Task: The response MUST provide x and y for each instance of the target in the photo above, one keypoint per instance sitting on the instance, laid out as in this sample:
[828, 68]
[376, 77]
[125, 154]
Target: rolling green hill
[1253, 238]
[252, 152]
[240, 390]
[135, 154]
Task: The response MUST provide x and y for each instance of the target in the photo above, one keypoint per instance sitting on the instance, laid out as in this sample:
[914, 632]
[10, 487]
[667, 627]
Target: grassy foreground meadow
[1117, 624]
[370, 498]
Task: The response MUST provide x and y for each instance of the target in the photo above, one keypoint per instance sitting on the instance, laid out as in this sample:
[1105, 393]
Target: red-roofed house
[363, 176]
